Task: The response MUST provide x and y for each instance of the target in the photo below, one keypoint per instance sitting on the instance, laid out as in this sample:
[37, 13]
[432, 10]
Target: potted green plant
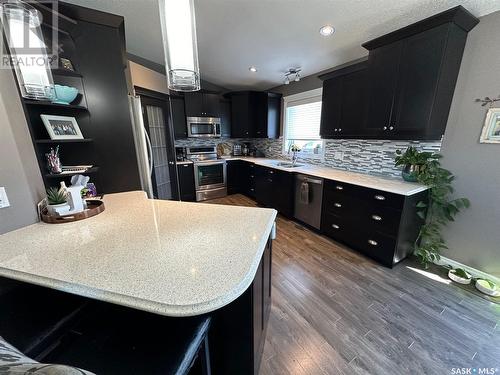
[57, 201]
[439, 209]
[459, 275]
[487, 287]
[412, 161]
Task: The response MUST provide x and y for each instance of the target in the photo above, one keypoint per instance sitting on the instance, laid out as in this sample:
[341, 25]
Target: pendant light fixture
[178, 26]
[27, 52]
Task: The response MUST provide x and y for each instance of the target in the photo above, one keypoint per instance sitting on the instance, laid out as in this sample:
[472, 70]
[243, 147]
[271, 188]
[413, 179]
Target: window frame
[301, 98]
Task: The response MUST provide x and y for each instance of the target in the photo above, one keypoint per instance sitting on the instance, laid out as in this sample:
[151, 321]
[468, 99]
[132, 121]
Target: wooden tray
[95, 207]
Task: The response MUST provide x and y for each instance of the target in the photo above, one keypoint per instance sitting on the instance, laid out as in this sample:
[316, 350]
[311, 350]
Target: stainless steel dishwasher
[308, 199]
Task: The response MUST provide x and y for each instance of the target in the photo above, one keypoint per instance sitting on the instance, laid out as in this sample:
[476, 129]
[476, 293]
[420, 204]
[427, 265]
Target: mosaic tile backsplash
[364, 156]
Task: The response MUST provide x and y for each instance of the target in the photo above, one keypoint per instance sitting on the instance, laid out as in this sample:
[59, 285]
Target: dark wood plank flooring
[336, 312]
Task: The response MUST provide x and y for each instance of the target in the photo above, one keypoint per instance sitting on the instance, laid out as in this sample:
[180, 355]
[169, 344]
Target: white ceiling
[275, 35]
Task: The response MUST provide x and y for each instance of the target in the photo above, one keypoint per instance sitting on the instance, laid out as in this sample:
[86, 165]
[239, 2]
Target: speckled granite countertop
[391, 185]
[166, 257]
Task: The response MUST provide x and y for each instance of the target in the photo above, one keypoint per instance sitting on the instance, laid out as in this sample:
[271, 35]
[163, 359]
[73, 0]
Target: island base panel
[239, 329]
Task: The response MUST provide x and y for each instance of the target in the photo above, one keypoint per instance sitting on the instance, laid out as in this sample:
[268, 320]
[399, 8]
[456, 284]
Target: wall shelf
[66, 73]
[53, 105]
[51, 141]
[64, 175]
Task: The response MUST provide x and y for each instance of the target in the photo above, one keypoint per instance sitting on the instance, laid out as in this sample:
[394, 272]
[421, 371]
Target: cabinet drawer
[376, 245]
[377, 197]
[382, 219]
[337, 227]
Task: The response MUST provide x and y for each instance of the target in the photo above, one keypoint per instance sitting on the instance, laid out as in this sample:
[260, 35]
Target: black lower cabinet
[274, 188]
[186, 182]
[241, 178]
[382, 225]
[238, 332]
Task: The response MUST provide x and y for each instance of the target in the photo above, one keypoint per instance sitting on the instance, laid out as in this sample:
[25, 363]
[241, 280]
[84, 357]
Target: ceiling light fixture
[326, 30]
[178, 26]
[253, 69]
[292, 72]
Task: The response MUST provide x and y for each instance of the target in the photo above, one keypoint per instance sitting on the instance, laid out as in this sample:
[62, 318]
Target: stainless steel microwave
[203, 127]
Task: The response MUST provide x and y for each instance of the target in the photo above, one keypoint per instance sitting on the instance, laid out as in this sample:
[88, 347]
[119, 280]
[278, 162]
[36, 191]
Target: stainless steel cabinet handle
[377, 217]
[312, 181]
[391, 127]
[338, 187]
[271, 172]
[340, 130]
[379, 197]
[270, 180]
[372, 242]
[185, 166]
[335, 226]
[251, 176]
[385, 127]
[171, 162]
[334, 129]
[337, 205]
[252, 189]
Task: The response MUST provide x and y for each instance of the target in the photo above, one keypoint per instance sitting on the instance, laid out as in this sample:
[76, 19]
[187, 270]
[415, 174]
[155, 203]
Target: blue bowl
[64, 94]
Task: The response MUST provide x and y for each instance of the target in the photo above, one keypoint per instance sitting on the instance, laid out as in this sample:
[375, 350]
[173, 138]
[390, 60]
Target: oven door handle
[209, 162]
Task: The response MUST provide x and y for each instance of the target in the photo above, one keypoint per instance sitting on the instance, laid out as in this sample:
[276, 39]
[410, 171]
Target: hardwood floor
[336, 312]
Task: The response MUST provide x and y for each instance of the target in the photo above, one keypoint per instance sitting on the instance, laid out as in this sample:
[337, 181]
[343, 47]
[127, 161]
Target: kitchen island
[169, 258]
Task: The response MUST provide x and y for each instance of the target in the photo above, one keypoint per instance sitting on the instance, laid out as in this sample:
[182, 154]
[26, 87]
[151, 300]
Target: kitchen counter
[165, 257]
[391, 185]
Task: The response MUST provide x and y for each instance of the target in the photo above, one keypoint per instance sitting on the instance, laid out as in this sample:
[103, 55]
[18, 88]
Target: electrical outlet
[4, 201]
[338, 155]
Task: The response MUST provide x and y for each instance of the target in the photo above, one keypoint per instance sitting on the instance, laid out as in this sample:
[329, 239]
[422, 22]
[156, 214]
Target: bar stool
[118, 340]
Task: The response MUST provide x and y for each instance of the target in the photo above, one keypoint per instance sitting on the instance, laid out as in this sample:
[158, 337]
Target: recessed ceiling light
[253, 69]
[327, 30]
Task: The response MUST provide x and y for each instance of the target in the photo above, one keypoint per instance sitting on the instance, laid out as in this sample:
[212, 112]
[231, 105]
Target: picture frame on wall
[61, 127]
[491, 128]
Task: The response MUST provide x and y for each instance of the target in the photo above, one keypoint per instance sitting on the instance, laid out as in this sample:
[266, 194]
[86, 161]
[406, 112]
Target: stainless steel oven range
[209, 172]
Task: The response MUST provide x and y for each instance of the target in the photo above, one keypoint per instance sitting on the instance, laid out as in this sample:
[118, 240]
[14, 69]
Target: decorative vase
[58, 209]
[410, 172]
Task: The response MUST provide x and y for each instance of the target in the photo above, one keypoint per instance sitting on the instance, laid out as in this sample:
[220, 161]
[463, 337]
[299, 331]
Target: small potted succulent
[488, 287]
[459, 275]
[57, 201]
[412, 162]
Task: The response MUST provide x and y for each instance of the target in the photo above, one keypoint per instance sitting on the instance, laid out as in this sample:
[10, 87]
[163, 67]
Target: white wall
[19, 172]
[474, 239]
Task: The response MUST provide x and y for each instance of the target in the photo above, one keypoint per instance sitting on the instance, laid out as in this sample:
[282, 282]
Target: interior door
[159, 127]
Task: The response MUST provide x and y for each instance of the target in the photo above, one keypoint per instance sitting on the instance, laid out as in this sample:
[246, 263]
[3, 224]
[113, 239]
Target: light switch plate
[4, 200]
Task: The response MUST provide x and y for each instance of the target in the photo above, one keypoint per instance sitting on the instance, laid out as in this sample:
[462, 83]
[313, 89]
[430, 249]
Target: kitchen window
[302, 117]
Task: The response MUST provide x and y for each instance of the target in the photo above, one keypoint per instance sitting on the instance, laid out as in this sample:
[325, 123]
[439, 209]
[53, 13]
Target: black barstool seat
[32, 317]
[117, 340]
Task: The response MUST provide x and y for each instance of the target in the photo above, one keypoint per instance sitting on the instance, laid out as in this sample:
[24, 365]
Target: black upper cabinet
[383, 74]
[178, 117]
[412, 76]
[241, 115]
[202, 104]
[255, 114]
[225, 118]
[344, 102]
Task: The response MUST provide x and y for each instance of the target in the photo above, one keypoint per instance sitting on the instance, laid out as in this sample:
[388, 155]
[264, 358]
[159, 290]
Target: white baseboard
[474, 272]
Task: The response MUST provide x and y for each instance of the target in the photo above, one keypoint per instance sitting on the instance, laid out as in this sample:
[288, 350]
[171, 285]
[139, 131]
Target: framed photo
[491, 128]
[66, 64]
[61, 127]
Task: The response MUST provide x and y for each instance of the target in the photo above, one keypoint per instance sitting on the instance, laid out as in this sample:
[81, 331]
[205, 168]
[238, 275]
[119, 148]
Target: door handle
[338, 187]
[338, 205]
[335, 226]
[379, 197]
[377, 217]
